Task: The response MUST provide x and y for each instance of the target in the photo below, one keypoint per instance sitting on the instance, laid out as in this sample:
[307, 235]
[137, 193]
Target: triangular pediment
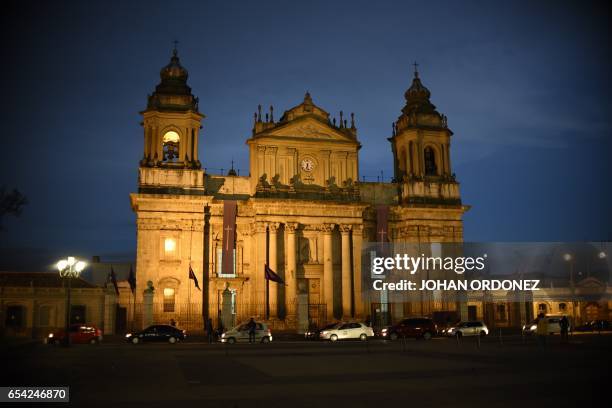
[309, 128]
[590, 282]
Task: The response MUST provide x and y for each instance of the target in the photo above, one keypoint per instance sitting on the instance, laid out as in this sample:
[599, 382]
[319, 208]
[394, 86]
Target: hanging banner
[229, 236]
[382, 223]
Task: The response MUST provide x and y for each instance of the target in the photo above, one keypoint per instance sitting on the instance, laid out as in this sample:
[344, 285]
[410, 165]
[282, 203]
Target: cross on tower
[175, 42]
[415, 67]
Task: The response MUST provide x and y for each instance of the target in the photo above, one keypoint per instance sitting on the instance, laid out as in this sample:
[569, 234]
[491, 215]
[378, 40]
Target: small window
[501, 312]
[431, 169]
[542, 307]
[171, 142]
[169, 246]
[562, 307]
[169, 295]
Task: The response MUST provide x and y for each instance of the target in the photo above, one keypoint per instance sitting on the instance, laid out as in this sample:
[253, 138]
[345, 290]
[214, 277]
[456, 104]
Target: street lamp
[69, 268]
[570, 260]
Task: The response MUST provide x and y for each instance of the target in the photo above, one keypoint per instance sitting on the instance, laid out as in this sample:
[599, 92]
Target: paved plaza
[303, 374]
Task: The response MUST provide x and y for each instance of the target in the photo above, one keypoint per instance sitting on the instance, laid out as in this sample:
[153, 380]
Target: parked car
[415, 327]
[595, 325]
[345, 331]
[240, 333]
[472, 328]
[79, 334]
[553, 325]
[157, 333]
[314, 334]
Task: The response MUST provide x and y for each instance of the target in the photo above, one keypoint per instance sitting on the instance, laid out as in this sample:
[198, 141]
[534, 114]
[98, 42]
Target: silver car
[473, 328]
[345, 331]
[240, 333]
[554, 325]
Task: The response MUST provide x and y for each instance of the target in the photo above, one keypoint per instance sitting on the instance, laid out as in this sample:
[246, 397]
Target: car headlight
[128, 335]
[385, 330]
[50, 335]
[533, 327]
[324, 333]
[223, 335]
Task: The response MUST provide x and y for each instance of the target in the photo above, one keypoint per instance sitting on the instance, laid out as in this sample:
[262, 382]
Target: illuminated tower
[171, 125]
[421, 151]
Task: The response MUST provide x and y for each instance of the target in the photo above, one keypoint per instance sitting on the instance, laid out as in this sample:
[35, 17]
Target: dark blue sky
[525, 87]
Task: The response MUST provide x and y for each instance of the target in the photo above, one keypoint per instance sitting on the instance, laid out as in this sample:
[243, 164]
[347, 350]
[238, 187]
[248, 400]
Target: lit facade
[302, 209]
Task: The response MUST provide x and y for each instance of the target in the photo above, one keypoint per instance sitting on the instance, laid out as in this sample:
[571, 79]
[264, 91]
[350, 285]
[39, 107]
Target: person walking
[252, 326]
[542, 329]
[564, 324]
[209, 330]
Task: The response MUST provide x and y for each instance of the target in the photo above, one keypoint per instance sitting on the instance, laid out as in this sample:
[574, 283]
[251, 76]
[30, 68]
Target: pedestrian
[252, 326]
[564, 324]
[172, 323]
[209, 330]
[542, 329]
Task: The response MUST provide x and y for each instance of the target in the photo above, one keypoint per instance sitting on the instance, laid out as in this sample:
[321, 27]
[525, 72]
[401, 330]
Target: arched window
[430, 162]
[171, 146]
[169, 298]
[402, 161]
[542, 308]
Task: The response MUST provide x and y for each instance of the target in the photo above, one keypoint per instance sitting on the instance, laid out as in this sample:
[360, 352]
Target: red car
[420, 328]
[79, 334]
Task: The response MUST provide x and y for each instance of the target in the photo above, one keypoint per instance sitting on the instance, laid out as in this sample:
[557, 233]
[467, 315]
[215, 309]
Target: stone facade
[302, 210]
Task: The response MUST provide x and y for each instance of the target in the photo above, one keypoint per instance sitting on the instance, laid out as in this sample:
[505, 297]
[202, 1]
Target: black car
[595, 325]
[157, 333]
[313, 333]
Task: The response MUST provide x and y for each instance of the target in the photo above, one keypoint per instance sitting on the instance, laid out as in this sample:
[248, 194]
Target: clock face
[307, 165]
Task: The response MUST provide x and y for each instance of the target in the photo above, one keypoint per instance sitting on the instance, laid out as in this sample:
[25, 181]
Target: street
[304, 374]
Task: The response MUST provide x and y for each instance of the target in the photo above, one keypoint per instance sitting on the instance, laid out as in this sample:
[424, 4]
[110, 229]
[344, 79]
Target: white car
[473, 328]
[554, 326]
[240, 333]
[343, 331]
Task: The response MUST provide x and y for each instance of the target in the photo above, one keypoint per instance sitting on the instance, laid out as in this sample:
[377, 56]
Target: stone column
[357, 241]
[110, 311]
[273, 229]
[147, 305]
[328, 270]
[347, 299]
[258, 268]
[291, 270]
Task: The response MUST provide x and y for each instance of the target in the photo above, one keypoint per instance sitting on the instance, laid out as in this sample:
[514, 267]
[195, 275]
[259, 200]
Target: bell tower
[171, 125]
[421, 151]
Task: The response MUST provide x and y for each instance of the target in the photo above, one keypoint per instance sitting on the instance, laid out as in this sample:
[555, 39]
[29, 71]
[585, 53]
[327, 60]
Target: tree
[11, 203]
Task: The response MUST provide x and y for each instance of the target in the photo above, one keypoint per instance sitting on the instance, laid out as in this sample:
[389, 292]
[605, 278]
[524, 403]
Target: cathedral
[284, 243]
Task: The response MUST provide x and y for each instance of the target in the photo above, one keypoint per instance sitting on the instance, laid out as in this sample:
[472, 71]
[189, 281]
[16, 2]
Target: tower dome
[174, 70]
[173, 93]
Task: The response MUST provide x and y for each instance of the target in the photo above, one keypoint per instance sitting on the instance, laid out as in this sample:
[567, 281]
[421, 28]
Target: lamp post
[567, 257]
[69, 268]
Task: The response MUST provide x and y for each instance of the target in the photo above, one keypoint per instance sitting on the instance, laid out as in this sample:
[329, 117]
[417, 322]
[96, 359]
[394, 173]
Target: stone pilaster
[260, 263]
[328, 270]
[345, 231]
[273, 229]
[291, 269]
[357, 290]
